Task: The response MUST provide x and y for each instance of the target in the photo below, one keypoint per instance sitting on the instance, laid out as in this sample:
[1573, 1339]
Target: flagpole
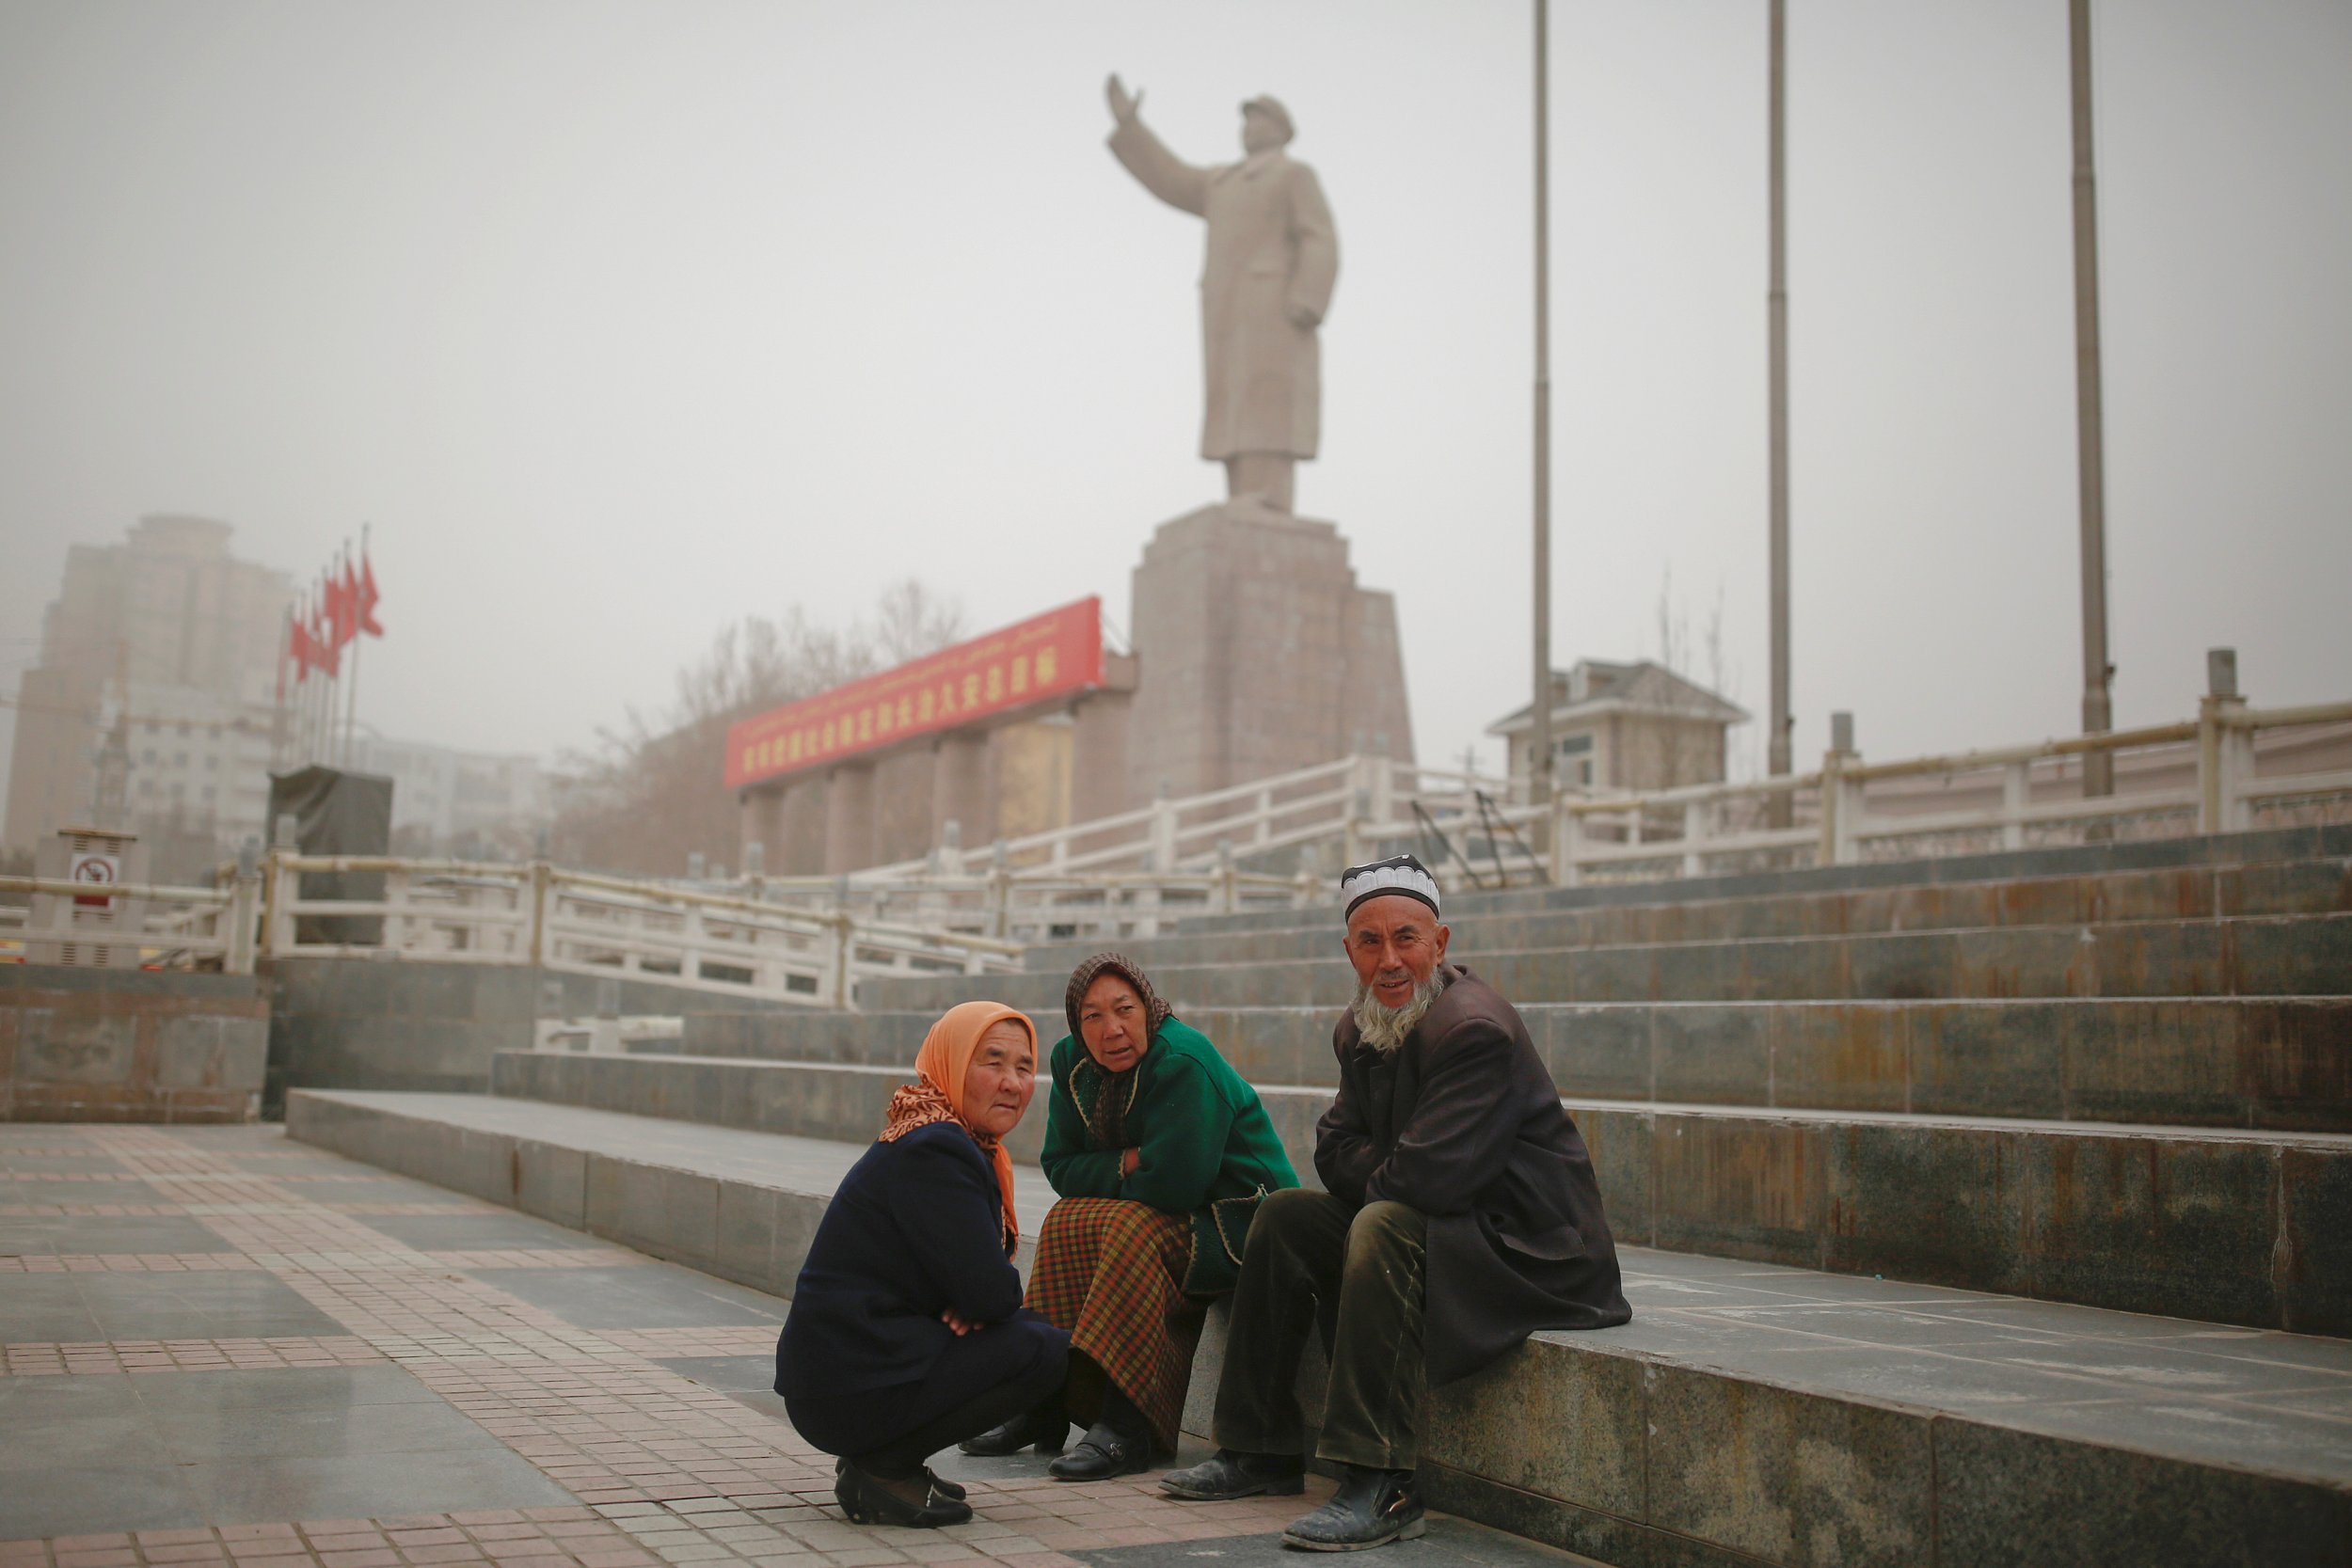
[1541, 781]
[322, 703]
[278, 705]
[350, 703]
[310, 708]
[334, 692]
[304, 694]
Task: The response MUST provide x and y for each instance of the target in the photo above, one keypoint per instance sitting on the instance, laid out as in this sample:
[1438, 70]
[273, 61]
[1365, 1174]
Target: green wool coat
[1208, 1150]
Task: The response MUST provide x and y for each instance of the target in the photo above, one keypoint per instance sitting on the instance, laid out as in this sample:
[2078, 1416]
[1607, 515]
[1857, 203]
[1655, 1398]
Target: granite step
[2279, 1062]
[2171, 892]
[2248, 956]
[1749, 1414]
[2101, 1213]
[2319, 842]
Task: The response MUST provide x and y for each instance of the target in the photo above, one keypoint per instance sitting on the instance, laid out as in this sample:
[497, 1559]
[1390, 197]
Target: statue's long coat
[1463, 1123]
[1271, 247]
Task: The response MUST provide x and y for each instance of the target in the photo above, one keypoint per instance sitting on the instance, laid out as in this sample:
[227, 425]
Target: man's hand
[1123, 103]
[1129, 1161]
[1302, 318]
[957, 1322]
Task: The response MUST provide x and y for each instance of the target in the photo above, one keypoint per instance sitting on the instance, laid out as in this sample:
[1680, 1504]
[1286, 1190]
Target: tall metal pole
[278, 712]
[2089, 436]
[350, 701]
[310, 689]
[1539, 778]
[1776, 315]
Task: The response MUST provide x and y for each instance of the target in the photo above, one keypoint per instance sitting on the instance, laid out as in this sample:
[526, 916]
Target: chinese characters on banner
[1047, 656]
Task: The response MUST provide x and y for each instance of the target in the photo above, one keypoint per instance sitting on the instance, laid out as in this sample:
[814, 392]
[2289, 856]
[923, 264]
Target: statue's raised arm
[1265, 285]
[1162, 173]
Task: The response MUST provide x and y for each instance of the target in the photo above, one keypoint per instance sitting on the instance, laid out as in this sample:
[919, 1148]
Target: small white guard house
[1625, 726]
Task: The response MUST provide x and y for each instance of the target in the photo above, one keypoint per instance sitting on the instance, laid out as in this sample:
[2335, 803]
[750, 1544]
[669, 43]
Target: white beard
[1383, 1028]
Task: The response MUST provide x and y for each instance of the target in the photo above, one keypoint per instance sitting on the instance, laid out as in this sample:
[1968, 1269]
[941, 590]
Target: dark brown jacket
[1463, 1123]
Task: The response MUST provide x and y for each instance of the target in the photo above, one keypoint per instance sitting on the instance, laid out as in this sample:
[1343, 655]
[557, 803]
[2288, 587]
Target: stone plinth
[849, 817]
[960, 789]
[1259, 654]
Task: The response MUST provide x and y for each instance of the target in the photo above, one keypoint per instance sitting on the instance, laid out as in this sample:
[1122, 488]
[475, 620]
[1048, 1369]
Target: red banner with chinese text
[1047, 656]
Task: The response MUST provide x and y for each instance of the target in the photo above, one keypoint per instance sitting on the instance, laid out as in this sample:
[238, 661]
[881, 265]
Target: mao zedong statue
[1265, 288]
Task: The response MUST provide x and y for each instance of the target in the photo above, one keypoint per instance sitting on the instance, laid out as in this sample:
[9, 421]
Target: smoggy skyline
[619, 323]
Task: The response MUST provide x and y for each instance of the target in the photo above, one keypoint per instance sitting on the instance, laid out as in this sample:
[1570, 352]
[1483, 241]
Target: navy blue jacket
[915, 1228]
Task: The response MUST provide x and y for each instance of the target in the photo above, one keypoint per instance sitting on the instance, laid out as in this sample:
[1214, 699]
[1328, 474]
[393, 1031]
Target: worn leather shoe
[1027, 1430]
[1104, 1451]
[866, 1498]
[1372, 1508]
[953, 1491]
[1230, 1473]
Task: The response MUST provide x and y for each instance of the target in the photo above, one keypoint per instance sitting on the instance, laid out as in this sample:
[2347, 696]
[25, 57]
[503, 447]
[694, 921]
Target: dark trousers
[1357, 1271]
[983, 1378]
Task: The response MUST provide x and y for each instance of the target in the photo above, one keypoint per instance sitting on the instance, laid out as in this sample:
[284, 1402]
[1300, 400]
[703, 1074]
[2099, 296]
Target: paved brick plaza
[222, 1347]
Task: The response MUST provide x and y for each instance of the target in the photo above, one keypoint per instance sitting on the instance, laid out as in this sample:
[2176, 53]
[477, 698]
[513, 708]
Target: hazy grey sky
[620, 322]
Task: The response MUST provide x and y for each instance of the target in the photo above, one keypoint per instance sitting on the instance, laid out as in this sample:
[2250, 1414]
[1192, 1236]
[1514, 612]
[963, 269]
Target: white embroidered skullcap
[1403, 875]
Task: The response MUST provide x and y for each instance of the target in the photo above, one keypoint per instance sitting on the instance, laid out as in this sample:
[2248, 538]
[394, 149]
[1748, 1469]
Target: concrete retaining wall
[374, 1023]
[130, 1045]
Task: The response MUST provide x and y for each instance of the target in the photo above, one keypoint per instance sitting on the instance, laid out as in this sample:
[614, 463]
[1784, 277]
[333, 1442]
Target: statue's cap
[1266, 103]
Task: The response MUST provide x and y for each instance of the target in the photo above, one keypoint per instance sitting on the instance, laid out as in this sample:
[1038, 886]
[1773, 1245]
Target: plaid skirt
[1108, 1269]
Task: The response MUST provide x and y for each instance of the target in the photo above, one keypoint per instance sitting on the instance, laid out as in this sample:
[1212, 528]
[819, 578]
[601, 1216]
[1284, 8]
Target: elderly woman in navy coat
[907, 1333]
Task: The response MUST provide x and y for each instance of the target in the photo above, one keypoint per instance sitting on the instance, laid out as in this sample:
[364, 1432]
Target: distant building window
[179, 759]
[148, 756]
[211, 762]
[1572, 746]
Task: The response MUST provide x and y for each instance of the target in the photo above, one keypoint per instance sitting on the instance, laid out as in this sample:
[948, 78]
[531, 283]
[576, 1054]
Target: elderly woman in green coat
[1161, 1153]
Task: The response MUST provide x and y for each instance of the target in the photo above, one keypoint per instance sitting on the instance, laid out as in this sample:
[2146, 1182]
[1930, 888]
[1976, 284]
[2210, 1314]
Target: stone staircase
[1988, 1209]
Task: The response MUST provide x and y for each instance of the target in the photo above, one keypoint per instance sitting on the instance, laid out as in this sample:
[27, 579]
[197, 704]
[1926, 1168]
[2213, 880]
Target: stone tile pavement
[239, 1370]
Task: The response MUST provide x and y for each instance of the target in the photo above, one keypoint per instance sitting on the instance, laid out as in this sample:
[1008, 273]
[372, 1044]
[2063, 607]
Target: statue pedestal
[1259, 654]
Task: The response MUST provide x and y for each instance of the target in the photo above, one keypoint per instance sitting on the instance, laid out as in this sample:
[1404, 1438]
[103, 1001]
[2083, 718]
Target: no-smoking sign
[99, 871]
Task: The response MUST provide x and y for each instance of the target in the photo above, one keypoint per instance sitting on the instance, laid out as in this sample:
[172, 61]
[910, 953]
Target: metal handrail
[149, 891]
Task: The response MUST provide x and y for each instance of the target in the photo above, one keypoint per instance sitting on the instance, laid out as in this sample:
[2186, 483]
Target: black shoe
[939, 1483]
[1030, 1429]
[1104, 1451]
[1230, 1473]
[866, 1498]
[1372, 1508]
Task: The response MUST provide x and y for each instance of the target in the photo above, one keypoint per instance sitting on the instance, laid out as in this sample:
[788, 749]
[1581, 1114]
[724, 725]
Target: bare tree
[909, 622]
[651, 792]
[1682, 746]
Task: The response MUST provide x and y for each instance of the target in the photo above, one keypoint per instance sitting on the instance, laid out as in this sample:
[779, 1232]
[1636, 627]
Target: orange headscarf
[937, 1092]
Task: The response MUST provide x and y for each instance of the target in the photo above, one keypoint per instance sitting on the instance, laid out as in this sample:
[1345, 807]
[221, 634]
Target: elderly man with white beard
[1460, 1214]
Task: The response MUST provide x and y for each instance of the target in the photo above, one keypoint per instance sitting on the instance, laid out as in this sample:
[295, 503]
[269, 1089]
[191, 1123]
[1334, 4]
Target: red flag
[347, 601]
[298, 643]
[339, 627]
[367, 597]
[326, 655]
